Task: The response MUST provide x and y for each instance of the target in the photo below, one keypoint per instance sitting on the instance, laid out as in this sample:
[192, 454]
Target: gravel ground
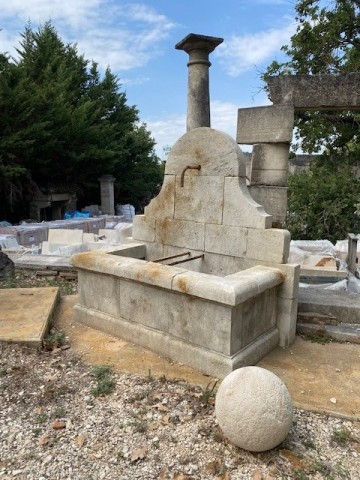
[63, 419]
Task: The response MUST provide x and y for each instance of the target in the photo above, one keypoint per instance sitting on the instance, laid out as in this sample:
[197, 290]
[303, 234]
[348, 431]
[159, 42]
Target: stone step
[316, 318]
[345, 307]
[343, 332]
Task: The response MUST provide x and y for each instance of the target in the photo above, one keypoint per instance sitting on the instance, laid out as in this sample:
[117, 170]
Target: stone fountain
[205, 279]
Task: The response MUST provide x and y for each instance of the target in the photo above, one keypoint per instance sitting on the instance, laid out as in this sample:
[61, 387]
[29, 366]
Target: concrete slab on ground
[25, 313]
[318, 375]
[41, 262]
[314, 374]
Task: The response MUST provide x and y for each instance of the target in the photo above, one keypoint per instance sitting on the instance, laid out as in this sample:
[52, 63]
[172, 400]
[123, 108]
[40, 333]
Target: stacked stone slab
[269, 129]
[316, 92]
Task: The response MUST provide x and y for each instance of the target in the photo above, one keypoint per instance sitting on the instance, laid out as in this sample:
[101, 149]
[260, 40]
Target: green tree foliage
[327, 41]
[323, 203]
[62, 126]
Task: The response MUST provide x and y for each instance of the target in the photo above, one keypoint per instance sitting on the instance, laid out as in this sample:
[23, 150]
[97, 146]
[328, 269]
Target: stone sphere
[254, 409]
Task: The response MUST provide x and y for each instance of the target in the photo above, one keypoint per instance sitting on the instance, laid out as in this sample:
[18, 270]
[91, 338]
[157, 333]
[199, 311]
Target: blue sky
[137, 39]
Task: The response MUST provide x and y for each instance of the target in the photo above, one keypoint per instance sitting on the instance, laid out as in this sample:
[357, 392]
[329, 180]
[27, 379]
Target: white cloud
[169, 128]
[123, 36]
[74, 13]
[166, 130]
[241, 53]
[7, 42]
[224, 116]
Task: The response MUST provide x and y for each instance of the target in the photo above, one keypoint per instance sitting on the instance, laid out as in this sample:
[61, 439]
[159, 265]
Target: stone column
[352, 253]
[198, 100]
[107, 194]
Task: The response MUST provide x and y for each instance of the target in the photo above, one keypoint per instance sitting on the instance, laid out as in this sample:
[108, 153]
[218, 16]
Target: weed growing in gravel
[300, 475]
[207, 393]
[323, 339]
[324, 469]
[24, 280]
[342, 436]
[54, 340]
[59, 412]
[217, 435]
[310, 444]
[139, 426]
[41, 418]
[105, 384]
[100, 371]
[342, 473]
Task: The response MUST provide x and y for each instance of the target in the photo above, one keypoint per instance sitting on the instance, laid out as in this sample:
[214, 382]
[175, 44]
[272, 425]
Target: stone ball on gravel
[254, 409]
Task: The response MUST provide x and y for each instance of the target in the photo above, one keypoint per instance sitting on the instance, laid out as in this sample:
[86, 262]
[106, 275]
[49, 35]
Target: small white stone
[254, 409]
[333, 400]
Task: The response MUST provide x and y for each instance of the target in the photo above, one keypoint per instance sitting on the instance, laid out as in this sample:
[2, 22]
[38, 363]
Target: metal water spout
[198, 100]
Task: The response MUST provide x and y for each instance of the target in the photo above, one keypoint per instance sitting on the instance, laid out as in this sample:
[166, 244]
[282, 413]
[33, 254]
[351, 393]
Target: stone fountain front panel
[214, 324]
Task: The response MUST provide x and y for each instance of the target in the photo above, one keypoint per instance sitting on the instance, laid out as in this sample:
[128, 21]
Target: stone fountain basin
[214, 324]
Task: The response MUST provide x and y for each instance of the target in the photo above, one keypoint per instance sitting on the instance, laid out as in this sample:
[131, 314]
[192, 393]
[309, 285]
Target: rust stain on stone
[183, 286]
[280, 276]
[153, 270]
[85, 260]
[165, 198]
[163, 226]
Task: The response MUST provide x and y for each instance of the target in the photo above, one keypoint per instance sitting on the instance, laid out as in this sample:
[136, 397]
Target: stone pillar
[198, 101]
[352, 253]
[270, 164]
[107, 194]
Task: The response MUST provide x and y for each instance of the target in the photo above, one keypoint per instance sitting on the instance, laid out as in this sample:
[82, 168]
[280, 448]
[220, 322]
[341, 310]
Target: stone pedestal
[198, 101]
[107, 194]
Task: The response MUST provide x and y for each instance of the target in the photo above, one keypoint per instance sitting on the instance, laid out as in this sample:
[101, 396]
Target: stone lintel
[316, 92]
[271, 124]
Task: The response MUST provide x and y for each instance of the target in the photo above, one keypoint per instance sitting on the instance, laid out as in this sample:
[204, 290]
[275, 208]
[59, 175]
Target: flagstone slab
[26, 313]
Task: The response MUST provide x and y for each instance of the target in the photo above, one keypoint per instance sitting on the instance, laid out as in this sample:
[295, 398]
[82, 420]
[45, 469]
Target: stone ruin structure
[269, 129]
[205, 279]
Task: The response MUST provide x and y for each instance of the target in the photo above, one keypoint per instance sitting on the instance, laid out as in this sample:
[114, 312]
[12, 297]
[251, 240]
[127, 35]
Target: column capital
[193, 41]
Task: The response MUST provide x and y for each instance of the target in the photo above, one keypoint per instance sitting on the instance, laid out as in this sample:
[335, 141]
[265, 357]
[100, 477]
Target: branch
[337, 119]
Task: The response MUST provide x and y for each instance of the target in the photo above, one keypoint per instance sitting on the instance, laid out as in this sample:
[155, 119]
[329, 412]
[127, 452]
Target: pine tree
[63, 125]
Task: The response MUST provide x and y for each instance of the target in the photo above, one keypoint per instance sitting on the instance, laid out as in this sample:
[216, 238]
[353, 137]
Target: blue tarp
[76, 214]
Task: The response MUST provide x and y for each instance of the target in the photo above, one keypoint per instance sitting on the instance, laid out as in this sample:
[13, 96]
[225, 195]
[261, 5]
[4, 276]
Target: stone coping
[230, 290]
